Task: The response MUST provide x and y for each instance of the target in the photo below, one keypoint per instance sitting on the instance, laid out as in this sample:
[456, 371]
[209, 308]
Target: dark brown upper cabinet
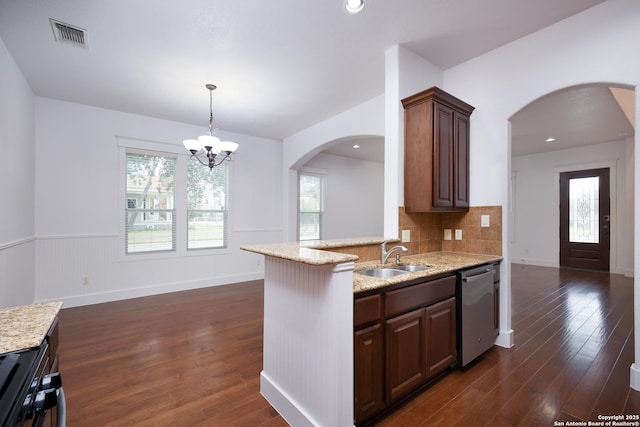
[436, 152]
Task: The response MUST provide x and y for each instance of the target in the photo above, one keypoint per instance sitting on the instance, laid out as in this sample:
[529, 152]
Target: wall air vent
[65, 33]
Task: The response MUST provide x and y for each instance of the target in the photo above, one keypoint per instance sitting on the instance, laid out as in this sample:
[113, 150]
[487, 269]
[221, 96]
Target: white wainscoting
[307, 371]
[88, 269]
[17, 278]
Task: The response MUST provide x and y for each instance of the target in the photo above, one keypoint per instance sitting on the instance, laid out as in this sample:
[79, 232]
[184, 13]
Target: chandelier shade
[206, 148]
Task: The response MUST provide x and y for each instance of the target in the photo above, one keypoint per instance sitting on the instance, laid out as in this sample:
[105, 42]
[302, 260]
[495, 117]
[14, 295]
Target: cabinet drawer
[367, 310]
[405, 299]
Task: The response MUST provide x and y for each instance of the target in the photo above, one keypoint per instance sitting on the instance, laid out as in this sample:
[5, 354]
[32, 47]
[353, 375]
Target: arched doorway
[572, 129]
[351, 202]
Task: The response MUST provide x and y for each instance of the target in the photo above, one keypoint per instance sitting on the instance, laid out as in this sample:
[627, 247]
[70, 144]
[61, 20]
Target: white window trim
[313, 172]
[131, 145]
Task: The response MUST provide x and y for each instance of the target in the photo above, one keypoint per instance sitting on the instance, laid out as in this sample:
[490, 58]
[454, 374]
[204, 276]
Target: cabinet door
[369, 372]
[443, 156]
[418, 157]
[405, 353]
[436, 152]
[440, 327]
[461, 160]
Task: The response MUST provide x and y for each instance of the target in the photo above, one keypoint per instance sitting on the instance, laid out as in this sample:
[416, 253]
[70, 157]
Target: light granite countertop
[439, 263]
[26, 326]
[315, 252]
[318, 252]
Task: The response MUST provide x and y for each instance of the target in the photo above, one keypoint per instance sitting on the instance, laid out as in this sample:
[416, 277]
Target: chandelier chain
[211, 112]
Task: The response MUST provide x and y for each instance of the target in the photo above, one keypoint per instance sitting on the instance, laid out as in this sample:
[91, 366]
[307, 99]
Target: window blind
[207, 197]
[150, 212]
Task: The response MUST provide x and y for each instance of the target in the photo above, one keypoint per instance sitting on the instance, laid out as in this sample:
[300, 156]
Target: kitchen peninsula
[26, 326]
[309, 290]
[30, 385]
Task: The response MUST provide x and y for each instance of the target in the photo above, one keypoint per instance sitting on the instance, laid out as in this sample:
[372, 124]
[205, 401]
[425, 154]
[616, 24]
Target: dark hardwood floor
[194, 358]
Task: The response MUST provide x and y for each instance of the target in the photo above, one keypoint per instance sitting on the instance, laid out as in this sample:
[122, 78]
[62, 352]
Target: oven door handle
[62, 408]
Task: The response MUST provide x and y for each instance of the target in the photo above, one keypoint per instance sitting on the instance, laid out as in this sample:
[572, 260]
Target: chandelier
[210, 146]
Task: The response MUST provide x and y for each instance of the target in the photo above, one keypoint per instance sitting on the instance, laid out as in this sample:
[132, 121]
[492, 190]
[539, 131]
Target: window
[171, 204]
[583, 210]
[150, 214]
[311, 205]
[206, 206]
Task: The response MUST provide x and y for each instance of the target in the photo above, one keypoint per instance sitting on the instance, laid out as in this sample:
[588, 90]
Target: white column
[635, 367]
[307, 371]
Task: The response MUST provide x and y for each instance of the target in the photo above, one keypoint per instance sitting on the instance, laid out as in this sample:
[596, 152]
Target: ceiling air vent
[65, 33]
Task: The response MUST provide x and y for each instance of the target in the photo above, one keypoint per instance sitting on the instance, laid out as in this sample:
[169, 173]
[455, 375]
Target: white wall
[17, 246]
[535, 202]
[595, 46]
[77, 202]
[591, 47]
[366, 119]
[405, 74]
[353, 196]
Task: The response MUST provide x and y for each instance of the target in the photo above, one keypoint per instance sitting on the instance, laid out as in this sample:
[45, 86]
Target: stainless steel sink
[411, 268]
[381, 273]
[396, 270]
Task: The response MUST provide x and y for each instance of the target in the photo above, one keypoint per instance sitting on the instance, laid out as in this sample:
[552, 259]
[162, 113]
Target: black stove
[26, 391]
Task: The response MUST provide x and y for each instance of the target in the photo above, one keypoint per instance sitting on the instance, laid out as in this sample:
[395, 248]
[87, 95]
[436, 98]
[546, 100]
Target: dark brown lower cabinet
[440, 327]
[406, 353]
[402, 339]
[369, 371]
[419, 345]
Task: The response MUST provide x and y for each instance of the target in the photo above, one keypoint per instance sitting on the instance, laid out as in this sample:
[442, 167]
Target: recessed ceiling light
[549, 140]
[356, 146]
[354, 6]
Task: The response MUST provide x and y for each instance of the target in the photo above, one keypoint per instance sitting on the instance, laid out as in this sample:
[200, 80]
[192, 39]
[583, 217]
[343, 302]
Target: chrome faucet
[384, 254]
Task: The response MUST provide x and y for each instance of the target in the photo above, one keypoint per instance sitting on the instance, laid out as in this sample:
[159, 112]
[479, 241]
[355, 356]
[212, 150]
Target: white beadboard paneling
[63, 262]
[17, 274]
[308, 342]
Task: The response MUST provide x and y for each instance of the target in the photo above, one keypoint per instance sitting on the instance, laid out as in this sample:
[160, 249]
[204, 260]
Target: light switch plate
[484, 220]
[406, 236]
[458, 234]
[447, 234]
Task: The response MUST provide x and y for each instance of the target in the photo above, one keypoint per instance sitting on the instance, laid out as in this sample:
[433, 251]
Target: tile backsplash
[428, 230]
[427, 233]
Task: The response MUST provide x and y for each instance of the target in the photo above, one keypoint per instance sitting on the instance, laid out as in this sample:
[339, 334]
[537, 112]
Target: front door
[584, 219]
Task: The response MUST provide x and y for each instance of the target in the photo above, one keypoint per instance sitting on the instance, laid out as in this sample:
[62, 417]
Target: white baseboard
[122, 294]
[628, 272]
[534, 261]
[505, 339]
[634, 380]
[283, 403]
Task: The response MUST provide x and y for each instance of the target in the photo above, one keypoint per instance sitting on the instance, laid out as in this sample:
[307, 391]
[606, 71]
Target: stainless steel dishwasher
[475, 308]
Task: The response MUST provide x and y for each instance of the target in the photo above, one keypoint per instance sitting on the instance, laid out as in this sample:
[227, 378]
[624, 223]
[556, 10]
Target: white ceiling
[577, 116]
[280, 66]
[369, 148]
